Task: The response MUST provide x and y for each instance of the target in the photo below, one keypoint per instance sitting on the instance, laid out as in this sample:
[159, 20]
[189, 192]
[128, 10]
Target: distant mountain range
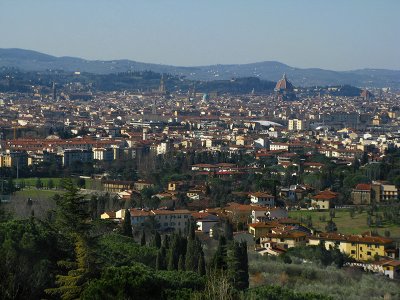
[28, 60]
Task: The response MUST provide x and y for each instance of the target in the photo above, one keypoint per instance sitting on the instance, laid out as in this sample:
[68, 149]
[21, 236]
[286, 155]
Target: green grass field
[345, 223]
[31, 182]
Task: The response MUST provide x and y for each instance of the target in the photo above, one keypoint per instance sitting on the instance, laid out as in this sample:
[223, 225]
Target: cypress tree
[143, 239]
[163, 258]
[190, 257]
[233, 270]
[219, 259]
[201, 265]
[193, 250]
[228, 230]
[166, 241]
[181, 266]
[171, 265]
[244, 266]
[159, 261]
[157, 240]
[174, 253]
[126, 225]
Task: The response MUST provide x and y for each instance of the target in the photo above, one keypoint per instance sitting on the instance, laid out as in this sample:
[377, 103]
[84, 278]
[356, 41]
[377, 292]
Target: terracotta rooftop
[368, 239]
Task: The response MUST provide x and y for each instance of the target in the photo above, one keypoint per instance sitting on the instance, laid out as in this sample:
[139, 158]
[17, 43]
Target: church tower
[162, 88]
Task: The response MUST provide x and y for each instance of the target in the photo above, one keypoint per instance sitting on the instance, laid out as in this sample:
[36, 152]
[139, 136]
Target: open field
[31, 182]
[36, 194]
[345, 223]
[41, 202]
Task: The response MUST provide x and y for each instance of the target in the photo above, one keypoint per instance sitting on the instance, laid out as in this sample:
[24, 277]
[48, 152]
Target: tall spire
[162, 84]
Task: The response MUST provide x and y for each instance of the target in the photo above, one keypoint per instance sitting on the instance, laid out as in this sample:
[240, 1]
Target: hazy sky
[333, 34]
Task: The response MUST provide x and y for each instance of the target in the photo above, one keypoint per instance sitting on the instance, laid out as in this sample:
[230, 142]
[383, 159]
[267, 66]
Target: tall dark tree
[157, 240]
[233, 264]
[181, 263]
[71, 285]
[165, 242]
[219, 258]
[201, 266]
[228, 230]
[174, 252]
[72, 211]
[73, 221]
[160, 261]
[244, 266]
[127, 225]
[143, 239]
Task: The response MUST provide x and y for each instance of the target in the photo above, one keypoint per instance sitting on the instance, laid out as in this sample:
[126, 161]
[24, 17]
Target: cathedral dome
[284, 84]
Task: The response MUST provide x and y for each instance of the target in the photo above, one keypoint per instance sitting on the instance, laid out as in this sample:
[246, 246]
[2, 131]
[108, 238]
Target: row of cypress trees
[181, 253]
[231, 258]
[185, 253]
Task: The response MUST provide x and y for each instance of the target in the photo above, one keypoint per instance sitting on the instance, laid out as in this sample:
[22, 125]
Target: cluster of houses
[272, 231]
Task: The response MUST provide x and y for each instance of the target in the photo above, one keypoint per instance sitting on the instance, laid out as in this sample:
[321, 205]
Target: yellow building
[288, 239]
[295, 125]
[13, 159]
[108, 215]
[359, 247]
[261, 228]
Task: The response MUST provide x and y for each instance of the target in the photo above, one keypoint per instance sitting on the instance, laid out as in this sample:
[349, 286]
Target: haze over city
[336, 35]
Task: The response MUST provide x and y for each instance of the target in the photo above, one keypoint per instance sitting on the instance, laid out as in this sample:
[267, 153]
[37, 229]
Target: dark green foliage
[50, 184]
[143, 239]
[157, 240]
[81, 183]
[279, 293]
[181, 264]
[228, 230]
[286, 259]
[193, 251]
[127, 225]
[219, 258]
[233, 264]
[29, 250]
[244, 265]
[118, 250]
[140, 282]
[81, 270]
[237, 265]
[161, 259]
[331, 226]
[201, 266]
[38, 184]
[72, 211]
[319, 254]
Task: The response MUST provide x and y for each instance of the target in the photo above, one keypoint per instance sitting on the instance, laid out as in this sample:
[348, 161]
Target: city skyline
[336, 36]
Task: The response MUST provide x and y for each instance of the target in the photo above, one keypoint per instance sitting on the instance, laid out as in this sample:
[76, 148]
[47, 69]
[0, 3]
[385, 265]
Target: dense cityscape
[273, 172]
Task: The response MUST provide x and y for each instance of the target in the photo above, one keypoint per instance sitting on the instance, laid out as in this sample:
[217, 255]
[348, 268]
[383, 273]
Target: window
[361, 248]
[368, 252]
[353, 251]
